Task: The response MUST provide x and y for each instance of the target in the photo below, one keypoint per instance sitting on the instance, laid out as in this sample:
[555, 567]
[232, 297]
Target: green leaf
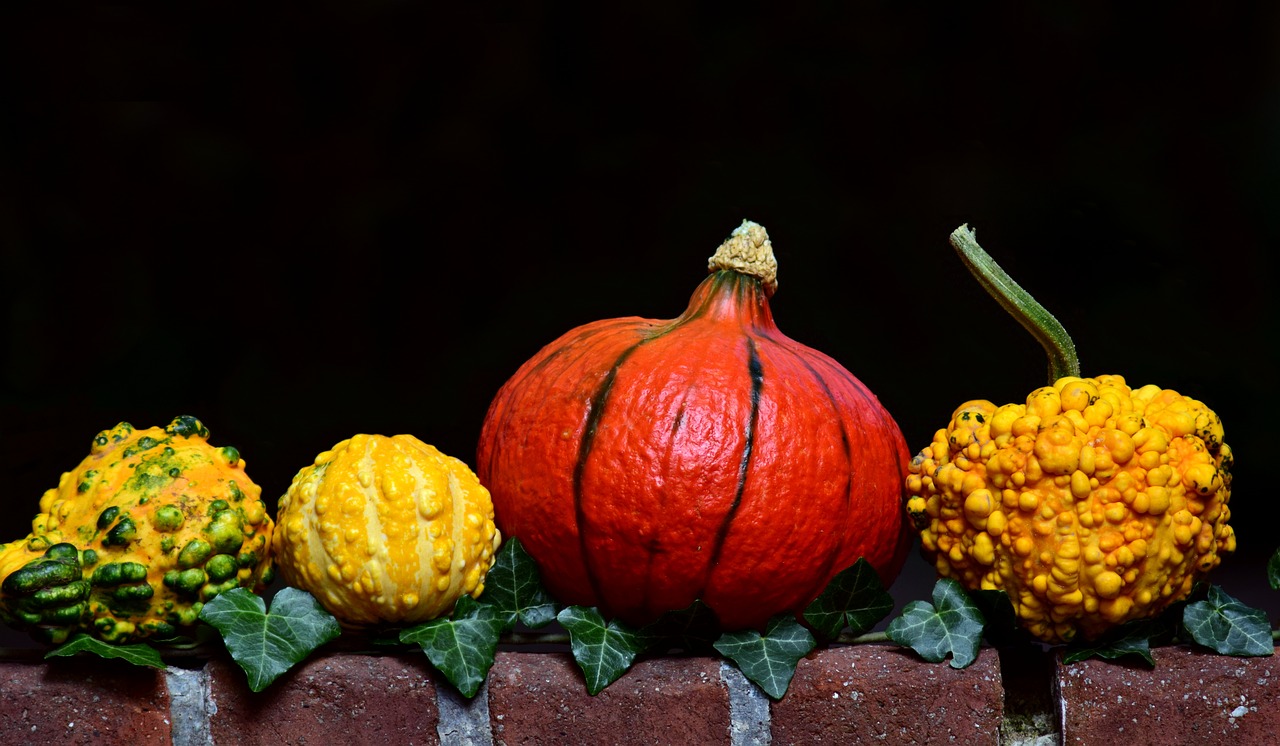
[692, 629]
[855, 598]
[1227, 626]
[1165, 628]
[1001, 625]
[770, 659]
[140, 654]
[514, 588]
[1135, 637]
[1131, 638]
[604, 651]
[265, 644]
[1273, 571]
[461, 647]
[199, 635]
[952, 624]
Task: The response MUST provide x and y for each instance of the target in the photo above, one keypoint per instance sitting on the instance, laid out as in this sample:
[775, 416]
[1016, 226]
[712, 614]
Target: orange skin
[1091, 505]
[646, 464]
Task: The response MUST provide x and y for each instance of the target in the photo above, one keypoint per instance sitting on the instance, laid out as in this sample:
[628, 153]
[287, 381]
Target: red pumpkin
[645, 464]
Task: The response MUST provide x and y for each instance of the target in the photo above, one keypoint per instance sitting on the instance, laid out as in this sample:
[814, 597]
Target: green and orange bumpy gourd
[133, 541]
[1090, 504]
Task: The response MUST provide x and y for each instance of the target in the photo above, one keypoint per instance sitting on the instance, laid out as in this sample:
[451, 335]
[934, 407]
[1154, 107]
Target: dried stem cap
[748, 250]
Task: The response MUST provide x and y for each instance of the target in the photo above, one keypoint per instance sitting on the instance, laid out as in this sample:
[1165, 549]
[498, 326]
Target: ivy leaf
[1130, 638]
[266, 644]
[200, 635]
[1166, 628]
[1001, 621]
[951, 624]
[514, 588]
[692, 629]
[140, 654]
[1273, 570]
[1227, 626]
[1135, 637]
[461, 647]
[855, 598]
[604, 651]
[770, 659]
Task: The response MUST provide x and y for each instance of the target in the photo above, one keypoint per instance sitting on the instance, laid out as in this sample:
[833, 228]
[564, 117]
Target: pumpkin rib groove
[755, 369]
[901, 458]
[502, 412]
[596, 413]
[585, 333]
[652, 552]
[579, 345]
[829, 569]
[555, 352]
[599, 402]
[863, 421]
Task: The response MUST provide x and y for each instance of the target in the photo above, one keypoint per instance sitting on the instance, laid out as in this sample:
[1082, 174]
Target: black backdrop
[364, 220]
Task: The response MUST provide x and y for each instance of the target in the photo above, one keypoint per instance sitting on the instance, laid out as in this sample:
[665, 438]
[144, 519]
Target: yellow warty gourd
[1092, 504]
[386, 531]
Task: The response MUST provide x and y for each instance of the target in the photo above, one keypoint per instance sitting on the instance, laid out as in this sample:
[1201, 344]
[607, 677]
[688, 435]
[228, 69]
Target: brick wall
[840, 695]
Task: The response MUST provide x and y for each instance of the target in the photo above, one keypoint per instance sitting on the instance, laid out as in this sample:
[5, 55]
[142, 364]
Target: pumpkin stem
[747, 250]
[1047, 330]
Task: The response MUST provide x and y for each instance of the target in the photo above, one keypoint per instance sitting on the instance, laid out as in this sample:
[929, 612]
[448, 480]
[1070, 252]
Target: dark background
[365, 220]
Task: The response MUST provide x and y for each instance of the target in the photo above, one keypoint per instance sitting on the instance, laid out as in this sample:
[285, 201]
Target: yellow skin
[1092, 504]
[386, 531]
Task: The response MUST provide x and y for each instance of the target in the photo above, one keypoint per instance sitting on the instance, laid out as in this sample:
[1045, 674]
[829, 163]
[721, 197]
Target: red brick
[82, 700]
[1189, 696]
[334, 698]
[852, 694]
[884, 694]
[542, 699]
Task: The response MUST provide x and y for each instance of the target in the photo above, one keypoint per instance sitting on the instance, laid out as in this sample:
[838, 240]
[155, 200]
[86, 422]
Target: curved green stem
[1034, 318]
